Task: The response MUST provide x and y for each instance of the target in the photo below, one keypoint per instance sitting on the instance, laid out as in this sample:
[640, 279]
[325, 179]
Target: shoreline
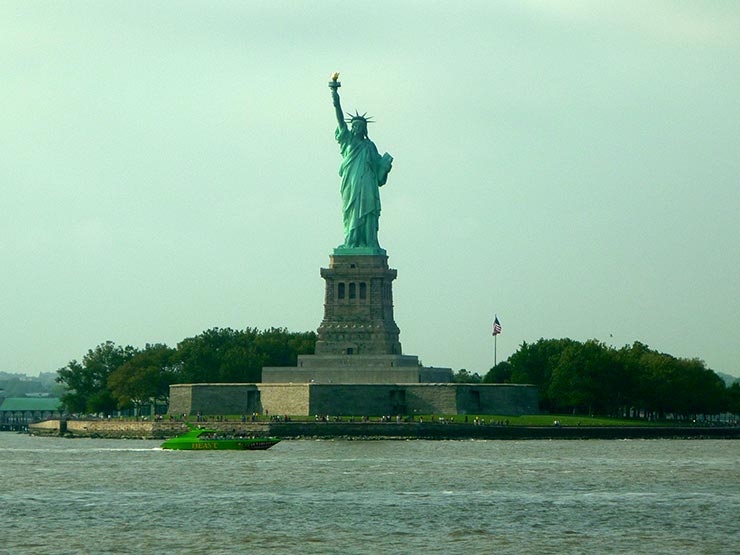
[115, 429]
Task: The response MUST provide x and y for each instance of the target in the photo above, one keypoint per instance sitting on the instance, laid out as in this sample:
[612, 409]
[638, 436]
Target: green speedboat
[197, 439]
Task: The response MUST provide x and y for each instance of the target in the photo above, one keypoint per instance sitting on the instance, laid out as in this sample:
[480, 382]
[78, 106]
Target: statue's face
[359, 127]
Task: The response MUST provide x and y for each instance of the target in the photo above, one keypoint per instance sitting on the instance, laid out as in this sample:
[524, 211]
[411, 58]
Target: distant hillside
[20, 385]
[729, 380]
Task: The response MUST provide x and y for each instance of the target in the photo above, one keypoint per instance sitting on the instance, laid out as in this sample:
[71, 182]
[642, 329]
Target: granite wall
[352, 399]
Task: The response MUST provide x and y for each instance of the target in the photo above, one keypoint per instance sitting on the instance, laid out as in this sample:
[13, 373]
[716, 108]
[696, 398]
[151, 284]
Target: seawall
[112, 429]
[117, 429]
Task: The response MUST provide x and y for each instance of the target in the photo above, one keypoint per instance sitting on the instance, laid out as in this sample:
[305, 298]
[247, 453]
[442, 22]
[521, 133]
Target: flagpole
[496, 331]
[495, 337]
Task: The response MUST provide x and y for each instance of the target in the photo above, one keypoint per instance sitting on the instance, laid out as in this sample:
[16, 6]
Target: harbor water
[93, 496]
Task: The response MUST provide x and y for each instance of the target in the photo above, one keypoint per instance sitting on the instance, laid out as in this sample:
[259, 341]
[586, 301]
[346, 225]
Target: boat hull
[191, 444]
[203, 439]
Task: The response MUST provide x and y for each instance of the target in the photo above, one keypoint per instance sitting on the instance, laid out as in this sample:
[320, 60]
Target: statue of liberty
[363, 171]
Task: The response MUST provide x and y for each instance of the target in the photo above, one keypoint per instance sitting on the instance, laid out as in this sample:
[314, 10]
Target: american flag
[496, 326]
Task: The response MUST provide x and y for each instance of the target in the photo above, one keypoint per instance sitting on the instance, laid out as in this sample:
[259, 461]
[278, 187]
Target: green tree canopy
[534, 363]
[112, 376]
[501, 373]
[586, 378]
[463, 376]
[595, 378]
[732, 402]
[223, 355]
[86, 383]
[145, 376]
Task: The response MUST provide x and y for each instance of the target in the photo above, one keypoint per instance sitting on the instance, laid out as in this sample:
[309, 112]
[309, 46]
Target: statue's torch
[334, 84]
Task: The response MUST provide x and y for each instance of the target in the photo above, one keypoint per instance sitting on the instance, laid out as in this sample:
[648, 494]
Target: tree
[501, 373]
[216, 355]
[661, 383]
[587, 377]
[733, 399]
[633, 368]
[593, 377]
[144, 377]
[281, 347]
[223, 355]
[696, 388]
[463, 376]
[534, 363]
[86, 383]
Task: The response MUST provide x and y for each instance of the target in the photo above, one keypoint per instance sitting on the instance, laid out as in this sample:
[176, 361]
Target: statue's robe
[363, 170]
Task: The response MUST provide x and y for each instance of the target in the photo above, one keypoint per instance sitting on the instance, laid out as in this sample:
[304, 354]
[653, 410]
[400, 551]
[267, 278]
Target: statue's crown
[357, 117]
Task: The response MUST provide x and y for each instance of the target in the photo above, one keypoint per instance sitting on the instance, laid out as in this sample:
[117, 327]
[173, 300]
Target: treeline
[111, 377]
[20, 385]
[575, 377]
[593, 378]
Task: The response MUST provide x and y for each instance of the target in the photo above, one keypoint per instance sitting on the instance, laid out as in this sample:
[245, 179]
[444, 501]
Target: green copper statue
[363, 170]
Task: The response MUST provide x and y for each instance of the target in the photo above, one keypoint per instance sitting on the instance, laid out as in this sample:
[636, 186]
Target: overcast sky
[170, 166]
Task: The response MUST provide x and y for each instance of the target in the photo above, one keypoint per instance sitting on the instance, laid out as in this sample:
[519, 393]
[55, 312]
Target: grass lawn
[564, 419]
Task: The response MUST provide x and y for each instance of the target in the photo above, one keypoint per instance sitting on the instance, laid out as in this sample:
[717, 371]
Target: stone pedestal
[358, 307]
[358, 337]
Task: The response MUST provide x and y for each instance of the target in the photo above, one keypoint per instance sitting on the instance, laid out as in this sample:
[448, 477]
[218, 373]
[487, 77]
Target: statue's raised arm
[334, 84]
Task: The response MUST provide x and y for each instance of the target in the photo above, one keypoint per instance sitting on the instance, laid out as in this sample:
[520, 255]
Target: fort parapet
[345, 399]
